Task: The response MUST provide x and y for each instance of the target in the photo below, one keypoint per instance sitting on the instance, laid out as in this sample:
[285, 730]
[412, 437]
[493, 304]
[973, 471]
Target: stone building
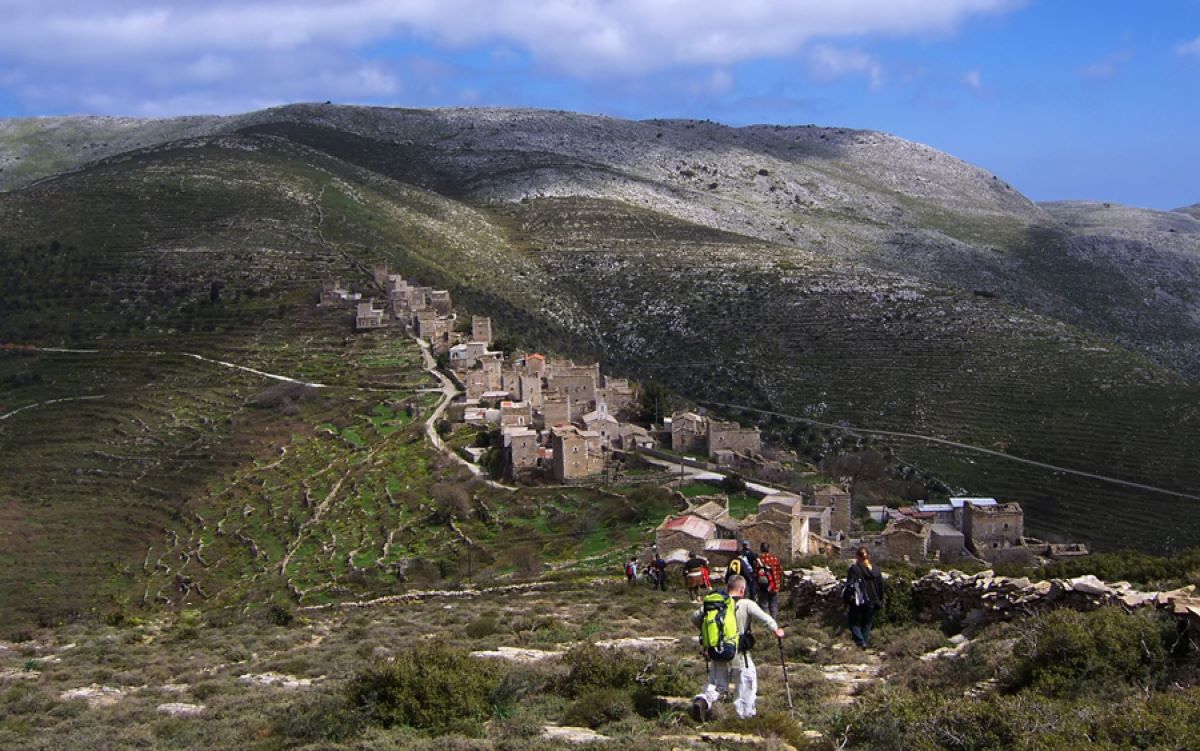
[440, 300]
[729, 436]
[516, 414]
[786, 533]
[720, 552]
[947, 542]
[379, 272]
[481, 329]
[988, 529]
[534, 364]
[600, 421]
[529, 387]
[689, 433]
[578, 454]
[521, 443]
[618, 394]
[689, 532]
[907, 539]
[335, 292]
[579, 382]
[631, 437]
[491, 364]
[556, 409]
[836, 498]
[367, 316]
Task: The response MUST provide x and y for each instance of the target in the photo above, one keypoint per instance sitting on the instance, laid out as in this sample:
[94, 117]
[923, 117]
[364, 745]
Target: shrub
[592, 668]
[437, 688]
[899, 608]
[281, 615]
[483, 626]
[600, 706]
[1067, 653]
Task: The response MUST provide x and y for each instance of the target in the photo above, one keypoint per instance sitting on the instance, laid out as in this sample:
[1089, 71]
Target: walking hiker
[749, 569]
[863, 595]
[631, 571]
[660, 572]
[770, 580]
[694, 575]
[727, 646]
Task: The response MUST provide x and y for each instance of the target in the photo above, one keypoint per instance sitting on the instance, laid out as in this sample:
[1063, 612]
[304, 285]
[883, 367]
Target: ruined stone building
[440, 300]
[521, 444]
[729, 436]
[618, 394]
[556, 409]
[516, 414]
[481, 329]
[367, 316]
[578, 382]
[689, 433]
[335, 292]
[907, 539]
[786, 533]
[578, 454]
[989, 528]
[836, 498]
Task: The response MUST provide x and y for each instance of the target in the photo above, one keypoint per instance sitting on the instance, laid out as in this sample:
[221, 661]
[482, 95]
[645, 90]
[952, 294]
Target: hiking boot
[699, 709]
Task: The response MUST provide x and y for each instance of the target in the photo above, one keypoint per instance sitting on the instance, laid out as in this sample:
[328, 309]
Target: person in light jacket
[740, 671]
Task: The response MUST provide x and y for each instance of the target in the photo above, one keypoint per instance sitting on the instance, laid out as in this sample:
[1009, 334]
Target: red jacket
[771, 561]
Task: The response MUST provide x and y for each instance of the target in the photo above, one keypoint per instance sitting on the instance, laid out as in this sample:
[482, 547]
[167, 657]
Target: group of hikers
[724, 618]
[762, 572]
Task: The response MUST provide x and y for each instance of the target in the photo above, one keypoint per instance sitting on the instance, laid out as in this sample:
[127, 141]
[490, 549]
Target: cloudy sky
[1064, 98]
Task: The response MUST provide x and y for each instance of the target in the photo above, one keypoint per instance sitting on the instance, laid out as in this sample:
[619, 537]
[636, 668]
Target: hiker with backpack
[660, 572]
[862, 595]
[724, 622]
[695, 575]
[749, 569]
[631, 571]
[770, 580]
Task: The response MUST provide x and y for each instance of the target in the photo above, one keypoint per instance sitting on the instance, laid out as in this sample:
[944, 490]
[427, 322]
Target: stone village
[561, 421]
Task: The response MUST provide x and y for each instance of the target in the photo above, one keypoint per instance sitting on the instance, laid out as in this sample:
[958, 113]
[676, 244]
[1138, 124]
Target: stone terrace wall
[974, 600]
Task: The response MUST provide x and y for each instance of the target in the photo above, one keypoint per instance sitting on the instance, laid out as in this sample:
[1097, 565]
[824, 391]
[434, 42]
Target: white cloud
[183, 50]
[1109, 67]
[826, 63]
[973, 79]
[1190, 48]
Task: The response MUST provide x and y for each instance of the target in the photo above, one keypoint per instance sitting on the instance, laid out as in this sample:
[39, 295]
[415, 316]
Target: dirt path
[448, 391]
[18, 410]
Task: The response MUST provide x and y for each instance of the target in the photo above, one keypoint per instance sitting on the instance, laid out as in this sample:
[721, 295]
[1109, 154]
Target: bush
[281, 615]
[600, 706]
[899, 608]
[435, 687]
[1107, 652]
[593, 668]
[483, 626]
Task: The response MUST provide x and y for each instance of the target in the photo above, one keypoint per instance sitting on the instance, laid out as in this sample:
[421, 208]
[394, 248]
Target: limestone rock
[569, 734]
[180, 709]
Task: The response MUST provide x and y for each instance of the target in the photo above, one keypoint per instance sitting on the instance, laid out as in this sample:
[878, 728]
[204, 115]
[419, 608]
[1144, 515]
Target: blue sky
[1072, 99]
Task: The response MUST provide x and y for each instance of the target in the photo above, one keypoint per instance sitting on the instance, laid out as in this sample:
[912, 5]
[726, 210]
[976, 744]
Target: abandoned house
[481, 329]
[991, 528]
[578, 454]
[367, 316]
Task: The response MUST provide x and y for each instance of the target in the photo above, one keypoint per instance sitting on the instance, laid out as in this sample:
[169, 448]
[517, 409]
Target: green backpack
[718, 630]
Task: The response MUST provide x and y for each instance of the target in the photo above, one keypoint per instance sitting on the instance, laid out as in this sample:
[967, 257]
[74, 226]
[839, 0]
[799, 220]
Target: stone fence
[974, 600]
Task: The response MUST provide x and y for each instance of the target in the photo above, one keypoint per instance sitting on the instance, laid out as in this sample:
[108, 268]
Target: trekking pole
[787, 686]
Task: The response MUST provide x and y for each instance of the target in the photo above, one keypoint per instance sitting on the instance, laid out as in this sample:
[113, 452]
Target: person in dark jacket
[863, 596]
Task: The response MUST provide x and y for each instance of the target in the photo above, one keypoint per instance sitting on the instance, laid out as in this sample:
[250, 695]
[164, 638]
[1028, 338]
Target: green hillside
[185, 481]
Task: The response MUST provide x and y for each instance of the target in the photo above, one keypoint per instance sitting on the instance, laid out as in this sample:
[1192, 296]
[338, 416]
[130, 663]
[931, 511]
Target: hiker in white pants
[740, 671]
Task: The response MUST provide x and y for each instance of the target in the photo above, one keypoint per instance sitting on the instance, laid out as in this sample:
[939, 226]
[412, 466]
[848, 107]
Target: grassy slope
[173, 478]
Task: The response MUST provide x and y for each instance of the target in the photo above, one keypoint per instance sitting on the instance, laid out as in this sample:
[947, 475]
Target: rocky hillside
[804, 271]
[860, 196]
